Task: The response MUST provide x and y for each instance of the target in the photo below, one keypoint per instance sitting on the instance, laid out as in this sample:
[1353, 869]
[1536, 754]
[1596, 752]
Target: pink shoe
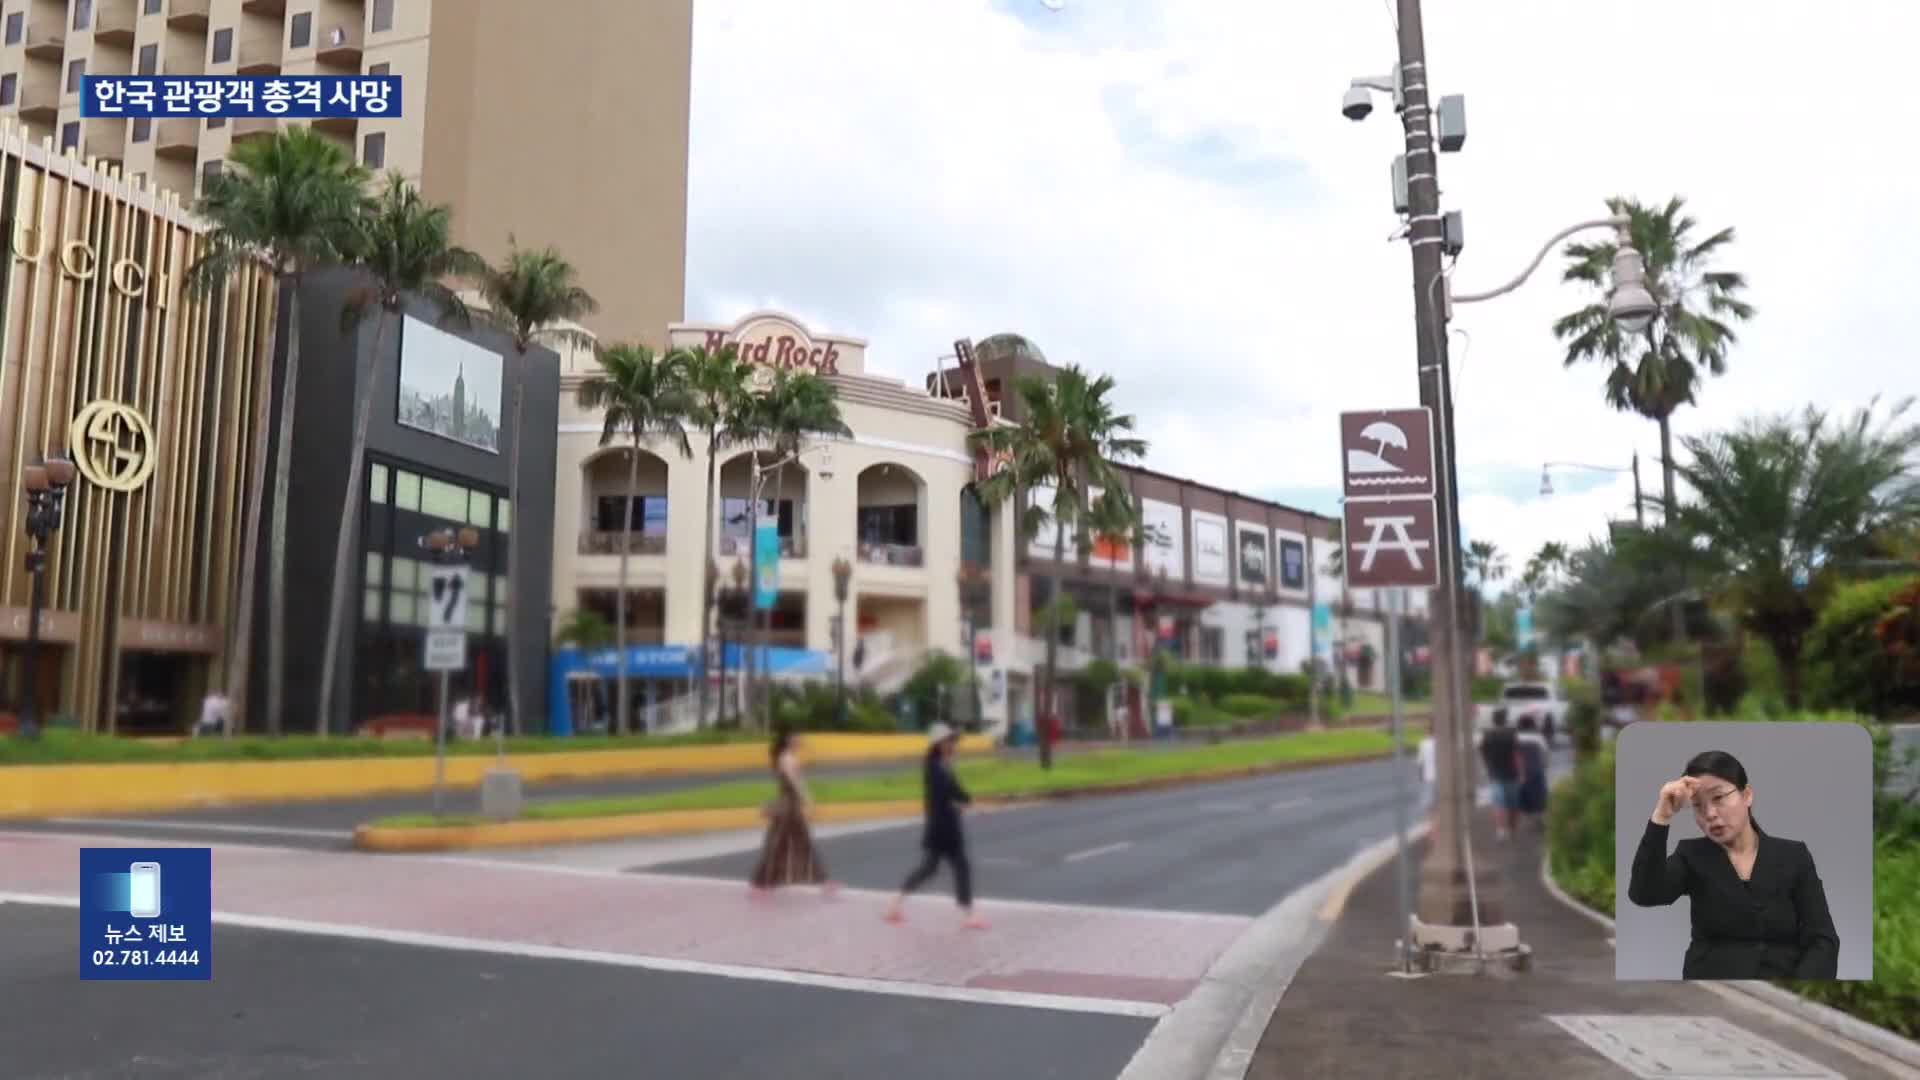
[973, 922]
[895, 915]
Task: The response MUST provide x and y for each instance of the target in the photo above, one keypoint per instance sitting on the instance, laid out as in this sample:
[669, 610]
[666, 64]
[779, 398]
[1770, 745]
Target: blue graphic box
[146, 913]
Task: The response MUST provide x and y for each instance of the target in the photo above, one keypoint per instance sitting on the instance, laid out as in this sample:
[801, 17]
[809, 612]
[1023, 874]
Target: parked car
[1542, 701]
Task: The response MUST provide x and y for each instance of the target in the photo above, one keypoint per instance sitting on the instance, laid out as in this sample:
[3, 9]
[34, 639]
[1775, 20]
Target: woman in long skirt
[943, 838]
[787, 855]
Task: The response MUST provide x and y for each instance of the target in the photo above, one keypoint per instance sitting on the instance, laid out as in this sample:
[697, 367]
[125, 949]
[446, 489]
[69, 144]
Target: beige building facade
[895, 500]
[494, 93]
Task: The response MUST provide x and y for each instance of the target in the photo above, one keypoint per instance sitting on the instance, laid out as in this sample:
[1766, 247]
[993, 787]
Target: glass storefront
[404, 504]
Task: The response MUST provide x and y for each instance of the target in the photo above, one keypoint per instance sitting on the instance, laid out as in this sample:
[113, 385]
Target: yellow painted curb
[135, 787]
[682, 822]
[579, 830]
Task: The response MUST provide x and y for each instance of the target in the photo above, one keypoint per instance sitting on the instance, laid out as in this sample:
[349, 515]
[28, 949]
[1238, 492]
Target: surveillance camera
[1357, 104]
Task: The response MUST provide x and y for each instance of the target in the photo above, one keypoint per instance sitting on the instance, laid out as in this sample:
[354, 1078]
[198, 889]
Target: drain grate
[1689, 1048]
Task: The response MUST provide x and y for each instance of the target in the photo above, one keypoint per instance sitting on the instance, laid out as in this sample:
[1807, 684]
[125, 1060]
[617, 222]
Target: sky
[1167, 192]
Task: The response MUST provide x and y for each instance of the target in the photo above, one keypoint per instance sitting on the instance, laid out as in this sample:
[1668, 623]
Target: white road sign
[446, 650]
[448, 597]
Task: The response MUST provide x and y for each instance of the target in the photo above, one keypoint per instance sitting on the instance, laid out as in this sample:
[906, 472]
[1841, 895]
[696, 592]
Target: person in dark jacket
[943, 837]
[1759, 910]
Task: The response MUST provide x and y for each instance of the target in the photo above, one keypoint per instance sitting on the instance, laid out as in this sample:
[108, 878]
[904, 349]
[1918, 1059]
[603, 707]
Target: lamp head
[1546, 483]
[1357, 104]
[825, 468]
[469, 537]
[1630, 304]
[34, 479]
[60, 470]
[437, 540]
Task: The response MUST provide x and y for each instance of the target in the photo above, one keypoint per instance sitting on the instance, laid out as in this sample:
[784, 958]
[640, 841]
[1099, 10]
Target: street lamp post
[46, 487]
[1460, 914]
[741, 586]
[842, 577]
[969, 632]
[447, 547]
[755, 488]
[1639, 506]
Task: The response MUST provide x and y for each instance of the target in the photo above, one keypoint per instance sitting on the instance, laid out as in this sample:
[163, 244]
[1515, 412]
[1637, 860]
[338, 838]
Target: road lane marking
[1104, 849]
[734, 885]
[203, 826]
[894, 987]
[1288, 804]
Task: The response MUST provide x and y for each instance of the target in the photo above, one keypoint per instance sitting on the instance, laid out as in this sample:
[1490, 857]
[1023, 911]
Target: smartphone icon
[143, 893]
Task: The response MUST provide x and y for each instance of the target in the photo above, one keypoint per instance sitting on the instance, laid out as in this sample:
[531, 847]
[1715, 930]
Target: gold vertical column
[30, 249]
[100, 335]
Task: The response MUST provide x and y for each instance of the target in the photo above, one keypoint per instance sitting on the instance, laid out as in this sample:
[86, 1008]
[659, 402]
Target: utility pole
[1459, 911]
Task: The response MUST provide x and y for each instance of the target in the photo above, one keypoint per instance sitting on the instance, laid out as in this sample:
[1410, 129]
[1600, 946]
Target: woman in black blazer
[1759, 910]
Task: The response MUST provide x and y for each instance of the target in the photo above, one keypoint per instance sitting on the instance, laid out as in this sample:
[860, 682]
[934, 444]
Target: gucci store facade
[152, 390]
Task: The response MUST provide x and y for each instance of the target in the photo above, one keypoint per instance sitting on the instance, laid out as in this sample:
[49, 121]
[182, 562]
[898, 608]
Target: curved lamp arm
[1618, 222]
[1580, 465]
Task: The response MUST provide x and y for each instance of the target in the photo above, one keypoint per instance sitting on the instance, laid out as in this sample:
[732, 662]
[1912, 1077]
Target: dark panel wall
[336, 368]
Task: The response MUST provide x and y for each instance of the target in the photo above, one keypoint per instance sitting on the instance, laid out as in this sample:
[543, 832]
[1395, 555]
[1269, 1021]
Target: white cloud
[1167, 192]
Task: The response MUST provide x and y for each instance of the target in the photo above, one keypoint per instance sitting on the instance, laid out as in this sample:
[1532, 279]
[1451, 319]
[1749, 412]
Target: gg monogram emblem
[112, 445]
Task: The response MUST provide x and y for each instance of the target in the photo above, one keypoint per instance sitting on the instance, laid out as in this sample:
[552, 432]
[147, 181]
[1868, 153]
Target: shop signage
[154, 635]
[784, 349]
[58, 626]
[80, 260]
[112, 445]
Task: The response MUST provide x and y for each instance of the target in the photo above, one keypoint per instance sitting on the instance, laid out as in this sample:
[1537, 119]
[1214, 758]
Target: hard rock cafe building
[152, 390]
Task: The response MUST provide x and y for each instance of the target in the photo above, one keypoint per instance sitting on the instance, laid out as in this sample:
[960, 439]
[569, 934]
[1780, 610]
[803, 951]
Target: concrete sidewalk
[1343, 1014]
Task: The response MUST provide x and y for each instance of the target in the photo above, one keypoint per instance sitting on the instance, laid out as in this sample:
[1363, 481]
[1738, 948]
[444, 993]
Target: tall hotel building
[560, 122]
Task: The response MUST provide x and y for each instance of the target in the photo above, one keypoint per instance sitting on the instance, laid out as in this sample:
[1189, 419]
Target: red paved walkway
[1134, 956]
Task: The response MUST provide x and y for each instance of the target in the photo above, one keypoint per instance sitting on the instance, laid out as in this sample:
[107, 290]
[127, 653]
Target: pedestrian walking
[787, 855]
[1533, 752]
[1500, 753]
[943, 837]
[1429, 771]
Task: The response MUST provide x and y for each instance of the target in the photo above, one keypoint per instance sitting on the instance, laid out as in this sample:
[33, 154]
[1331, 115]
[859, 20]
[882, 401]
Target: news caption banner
[291, 96]
[146, 914]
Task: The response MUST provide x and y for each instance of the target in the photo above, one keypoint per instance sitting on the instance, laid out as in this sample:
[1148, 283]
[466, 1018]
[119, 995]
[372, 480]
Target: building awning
[1171, 598]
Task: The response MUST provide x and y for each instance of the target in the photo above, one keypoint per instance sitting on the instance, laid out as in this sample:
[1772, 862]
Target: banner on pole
[766, 562]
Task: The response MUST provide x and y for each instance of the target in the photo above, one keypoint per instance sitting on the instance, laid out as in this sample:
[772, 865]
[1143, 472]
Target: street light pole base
[1451, 950]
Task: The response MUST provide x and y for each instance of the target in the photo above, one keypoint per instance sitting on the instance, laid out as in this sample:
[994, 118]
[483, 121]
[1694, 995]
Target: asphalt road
[1233, 848]
[284, 1004]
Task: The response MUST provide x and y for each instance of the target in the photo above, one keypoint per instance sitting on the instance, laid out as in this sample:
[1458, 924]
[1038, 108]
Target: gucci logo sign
[112, 445]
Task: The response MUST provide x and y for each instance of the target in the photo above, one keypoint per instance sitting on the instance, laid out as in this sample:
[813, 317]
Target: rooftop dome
[1008, 345]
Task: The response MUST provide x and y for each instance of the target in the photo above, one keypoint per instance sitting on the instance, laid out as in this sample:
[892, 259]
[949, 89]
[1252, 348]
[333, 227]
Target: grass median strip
[60, 747]
[985, 778]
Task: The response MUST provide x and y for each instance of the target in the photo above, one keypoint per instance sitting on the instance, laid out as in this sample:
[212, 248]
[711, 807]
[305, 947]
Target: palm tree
[1485, 563]
[1070, 438]
[795, 407]
[723, 410]
[405, 246]
[526, 296]
[584, 628]
[639, 395]
[1656, 372]
[289, 202]
[1786, 507]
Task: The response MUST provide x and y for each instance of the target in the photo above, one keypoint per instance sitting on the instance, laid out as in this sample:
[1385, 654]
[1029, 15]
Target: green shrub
[1580, 830]
[1189, 713]
[1584, 720]
[1847, 666]
[1252, 706]
[1892, 998]
[1486, 688]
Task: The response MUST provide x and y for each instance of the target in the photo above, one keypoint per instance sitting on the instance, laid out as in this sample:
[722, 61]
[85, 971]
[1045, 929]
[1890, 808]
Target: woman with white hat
[943, 838]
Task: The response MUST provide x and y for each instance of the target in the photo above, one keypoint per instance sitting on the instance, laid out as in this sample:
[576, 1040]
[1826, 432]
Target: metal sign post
[1396, 604]
[446, 652]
